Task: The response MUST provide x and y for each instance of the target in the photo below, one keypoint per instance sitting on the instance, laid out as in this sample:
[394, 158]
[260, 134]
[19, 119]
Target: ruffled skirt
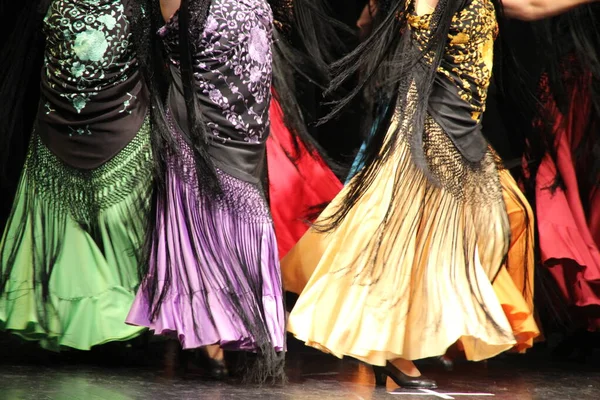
[214, 275]
[425, 282]
[71, 248]
[299, 182]
[569, 236]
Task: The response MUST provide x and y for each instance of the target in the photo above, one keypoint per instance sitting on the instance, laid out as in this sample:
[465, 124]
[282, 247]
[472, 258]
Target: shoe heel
[446, 363]
[380, 376]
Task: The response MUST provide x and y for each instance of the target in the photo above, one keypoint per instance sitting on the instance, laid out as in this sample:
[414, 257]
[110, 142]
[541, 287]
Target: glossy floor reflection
[312, 375]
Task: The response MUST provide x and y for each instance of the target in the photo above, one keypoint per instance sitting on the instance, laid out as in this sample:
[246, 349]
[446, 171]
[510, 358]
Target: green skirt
[71, 249]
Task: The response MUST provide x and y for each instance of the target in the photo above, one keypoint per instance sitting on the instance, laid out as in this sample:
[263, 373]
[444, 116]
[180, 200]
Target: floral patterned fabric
[232, 64]
[469, 56]
[92, 95]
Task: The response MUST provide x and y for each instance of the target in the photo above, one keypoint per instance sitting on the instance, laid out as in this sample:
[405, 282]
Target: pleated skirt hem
[214, 272]
[76, 236]
[413, 267]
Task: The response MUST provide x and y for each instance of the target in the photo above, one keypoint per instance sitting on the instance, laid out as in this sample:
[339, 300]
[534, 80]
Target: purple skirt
[214, 275]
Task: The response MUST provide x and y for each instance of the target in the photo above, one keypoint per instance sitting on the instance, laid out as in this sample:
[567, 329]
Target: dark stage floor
[102, 375]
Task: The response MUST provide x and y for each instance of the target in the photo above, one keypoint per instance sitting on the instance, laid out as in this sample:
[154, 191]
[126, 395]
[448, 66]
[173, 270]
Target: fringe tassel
[54, 199]
[214, 270]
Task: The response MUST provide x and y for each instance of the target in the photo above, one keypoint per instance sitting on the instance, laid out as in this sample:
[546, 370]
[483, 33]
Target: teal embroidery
[80, 131]
[79, 103]
[48, 108]
[77, 69]
[127, 103]
[90, 45]
[88, 42]
[108, 20]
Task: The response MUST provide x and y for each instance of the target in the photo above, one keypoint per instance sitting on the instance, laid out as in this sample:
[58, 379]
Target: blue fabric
[359, 161]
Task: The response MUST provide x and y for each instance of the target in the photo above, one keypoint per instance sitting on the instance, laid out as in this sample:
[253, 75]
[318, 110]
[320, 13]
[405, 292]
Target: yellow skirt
[426, 282]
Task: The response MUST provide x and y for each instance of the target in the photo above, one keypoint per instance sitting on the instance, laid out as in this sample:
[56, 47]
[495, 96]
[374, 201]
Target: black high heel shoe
[445, 362]
[400, 378]
[210, 368]
[217, 369]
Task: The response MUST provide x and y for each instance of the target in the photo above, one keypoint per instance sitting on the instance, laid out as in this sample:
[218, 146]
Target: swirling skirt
[299, 182]
[569, 235]
[214, 275]
[433, 274]
[71, 248]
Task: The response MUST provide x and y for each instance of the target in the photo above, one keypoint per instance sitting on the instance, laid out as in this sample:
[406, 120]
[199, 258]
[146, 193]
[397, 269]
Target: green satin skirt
[70, 252]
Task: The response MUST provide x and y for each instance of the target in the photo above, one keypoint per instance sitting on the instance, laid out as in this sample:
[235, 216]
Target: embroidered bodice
[232, 63]
[468, 59]
[92, 93]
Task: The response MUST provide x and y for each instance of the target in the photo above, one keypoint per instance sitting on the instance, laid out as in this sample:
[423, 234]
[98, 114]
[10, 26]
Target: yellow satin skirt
[445, 270]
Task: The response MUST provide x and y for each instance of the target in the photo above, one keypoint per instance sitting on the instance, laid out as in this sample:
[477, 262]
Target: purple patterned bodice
[232, 64]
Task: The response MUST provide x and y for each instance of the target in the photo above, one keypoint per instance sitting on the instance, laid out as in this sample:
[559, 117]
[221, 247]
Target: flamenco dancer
[71, 247]
[520, 257]
[411, 257]
[564, 171]
[300, 181]
[213, 280]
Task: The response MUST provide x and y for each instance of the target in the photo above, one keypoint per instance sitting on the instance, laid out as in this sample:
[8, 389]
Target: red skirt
[299, 182]
[569, 236]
